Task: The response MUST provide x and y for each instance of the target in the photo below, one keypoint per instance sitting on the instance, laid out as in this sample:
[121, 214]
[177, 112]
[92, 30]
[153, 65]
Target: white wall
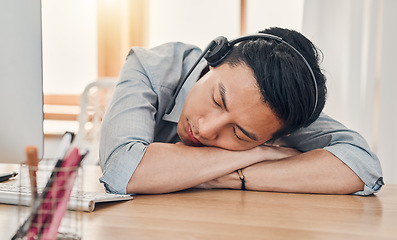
[70, 31]
[387, 121]
[358, 41]
[199, 22]
[191, 21]
[69, 45]
[263, 14]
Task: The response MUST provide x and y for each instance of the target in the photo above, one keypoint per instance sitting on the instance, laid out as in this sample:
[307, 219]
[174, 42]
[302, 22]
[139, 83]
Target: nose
[210, 127]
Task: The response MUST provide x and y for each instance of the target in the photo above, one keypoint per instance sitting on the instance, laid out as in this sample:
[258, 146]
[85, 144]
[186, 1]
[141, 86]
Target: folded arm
[316, 171]
[172, 167]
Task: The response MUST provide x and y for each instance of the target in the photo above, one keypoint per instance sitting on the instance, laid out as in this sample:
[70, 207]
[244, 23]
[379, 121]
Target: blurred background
[87, 41]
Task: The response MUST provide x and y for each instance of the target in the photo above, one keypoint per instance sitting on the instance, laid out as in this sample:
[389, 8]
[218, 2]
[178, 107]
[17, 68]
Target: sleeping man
[248, 116]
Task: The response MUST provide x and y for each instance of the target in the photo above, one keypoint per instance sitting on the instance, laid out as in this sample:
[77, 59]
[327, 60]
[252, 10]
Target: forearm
[317, 171]
[172, 167]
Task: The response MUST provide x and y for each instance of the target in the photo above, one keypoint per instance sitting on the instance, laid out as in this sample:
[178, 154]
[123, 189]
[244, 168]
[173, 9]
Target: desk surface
[232, 214]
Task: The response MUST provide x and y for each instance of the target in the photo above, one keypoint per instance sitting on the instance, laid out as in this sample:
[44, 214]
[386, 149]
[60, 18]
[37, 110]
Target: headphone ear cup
[216, 54]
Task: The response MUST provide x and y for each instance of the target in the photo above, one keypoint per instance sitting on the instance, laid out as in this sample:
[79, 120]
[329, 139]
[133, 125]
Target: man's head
[284, 79]
[261, 90]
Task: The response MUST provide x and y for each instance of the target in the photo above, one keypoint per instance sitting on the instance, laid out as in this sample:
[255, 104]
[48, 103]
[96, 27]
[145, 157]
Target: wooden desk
[232, 214]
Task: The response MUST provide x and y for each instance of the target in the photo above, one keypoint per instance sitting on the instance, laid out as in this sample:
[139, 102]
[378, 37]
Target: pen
[64, 145]
[6, 176]
[32, 161]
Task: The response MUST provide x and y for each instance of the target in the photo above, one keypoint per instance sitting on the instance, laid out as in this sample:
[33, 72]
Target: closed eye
[215, 102]
[235, 134]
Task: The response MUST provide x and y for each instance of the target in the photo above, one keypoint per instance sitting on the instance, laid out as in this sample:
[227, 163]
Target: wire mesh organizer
[49, 215]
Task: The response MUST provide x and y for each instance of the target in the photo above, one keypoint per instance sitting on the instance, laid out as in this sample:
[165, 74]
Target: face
[225, 109]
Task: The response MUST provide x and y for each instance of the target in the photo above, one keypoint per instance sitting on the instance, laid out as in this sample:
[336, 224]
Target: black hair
[282, 76]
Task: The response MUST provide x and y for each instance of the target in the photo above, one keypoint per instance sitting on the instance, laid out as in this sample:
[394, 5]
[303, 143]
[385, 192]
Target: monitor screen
[21, 91]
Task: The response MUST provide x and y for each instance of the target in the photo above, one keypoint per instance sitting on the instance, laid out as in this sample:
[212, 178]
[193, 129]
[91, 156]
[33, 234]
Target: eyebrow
[222, 91]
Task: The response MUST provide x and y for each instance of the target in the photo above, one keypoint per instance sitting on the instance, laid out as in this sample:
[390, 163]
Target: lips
[195, 141]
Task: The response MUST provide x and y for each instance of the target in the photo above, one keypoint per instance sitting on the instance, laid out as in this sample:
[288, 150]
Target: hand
[272, 152]
[230, 181]
[263, 152]
[268, 152]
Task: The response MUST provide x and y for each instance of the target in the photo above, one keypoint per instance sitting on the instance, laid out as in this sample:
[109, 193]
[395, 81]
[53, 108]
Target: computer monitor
[21, 90]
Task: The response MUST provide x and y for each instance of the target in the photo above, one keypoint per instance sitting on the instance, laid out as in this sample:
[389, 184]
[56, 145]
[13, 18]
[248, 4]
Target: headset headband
[220, 47]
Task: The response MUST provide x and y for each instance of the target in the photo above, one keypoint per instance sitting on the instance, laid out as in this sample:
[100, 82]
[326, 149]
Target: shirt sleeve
[127, 127]
[135, 115]
[347, 145]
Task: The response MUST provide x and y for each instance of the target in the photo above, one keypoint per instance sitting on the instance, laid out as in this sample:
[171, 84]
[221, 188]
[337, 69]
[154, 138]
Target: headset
[220, 47]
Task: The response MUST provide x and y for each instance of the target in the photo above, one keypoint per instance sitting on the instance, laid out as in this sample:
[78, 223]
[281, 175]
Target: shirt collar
[180, 99]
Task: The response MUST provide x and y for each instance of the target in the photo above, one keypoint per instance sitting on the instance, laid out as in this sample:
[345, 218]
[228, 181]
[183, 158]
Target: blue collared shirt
[135, 118]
